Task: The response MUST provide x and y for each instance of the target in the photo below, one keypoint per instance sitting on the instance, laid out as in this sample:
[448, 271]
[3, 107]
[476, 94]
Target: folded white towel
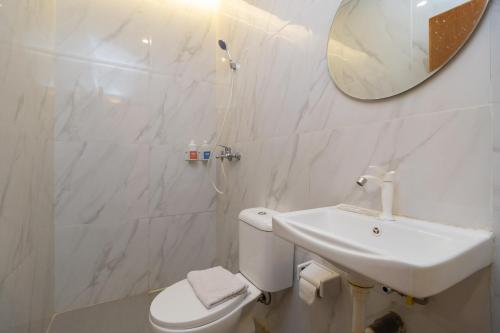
[215, 285]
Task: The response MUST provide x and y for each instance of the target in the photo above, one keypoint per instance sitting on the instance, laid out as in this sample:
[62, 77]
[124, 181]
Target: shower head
[222, 44]
[232, 64]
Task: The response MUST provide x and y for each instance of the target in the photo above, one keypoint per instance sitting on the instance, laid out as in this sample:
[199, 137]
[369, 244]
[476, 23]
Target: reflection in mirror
[379, 49]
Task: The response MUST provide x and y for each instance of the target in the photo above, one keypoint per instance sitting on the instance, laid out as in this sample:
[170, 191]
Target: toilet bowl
[266, 265]
[177, 309]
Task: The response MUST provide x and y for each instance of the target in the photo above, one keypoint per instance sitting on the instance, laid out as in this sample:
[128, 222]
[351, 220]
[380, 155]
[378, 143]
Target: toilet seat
[178, 308]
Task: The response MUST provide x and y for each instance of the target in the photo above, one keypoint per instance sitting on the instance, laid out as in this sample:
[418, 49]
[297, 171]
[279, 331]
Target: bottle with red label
[192, 152]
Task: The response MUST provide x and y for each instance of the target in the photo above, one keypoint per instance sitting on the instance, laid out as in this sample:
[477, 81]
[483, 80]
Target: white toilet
[266, 265]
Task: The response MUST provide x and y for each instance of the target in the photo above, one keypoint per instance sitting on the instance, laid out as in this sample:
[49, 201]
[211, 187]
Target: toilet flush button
[262, 213]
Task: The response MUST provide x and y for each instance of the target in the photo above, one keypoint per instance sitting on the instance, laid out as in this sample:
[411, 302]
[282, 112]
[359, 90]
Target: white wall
[26, 166]
[135, 82]
[304, 144]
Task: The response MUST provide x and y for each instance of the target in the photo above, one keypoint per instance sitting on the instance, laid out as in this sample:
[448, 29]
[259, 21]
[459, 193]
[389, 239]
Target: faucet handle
[386, 176]
[389, 176]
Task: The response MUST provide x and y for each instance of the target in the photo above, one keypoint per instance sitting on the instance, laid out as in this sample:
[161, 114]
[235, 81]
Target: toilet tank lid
[260, 218]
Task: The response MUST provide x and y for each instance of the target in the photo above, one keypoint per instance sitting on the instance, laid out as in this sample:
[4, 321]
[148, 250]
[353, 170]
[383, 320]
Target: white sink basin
[415, 257]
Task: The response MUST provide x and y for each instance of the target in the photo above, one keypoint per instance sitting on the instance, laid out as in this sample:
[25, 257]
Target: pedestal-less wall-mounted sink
[415, 257]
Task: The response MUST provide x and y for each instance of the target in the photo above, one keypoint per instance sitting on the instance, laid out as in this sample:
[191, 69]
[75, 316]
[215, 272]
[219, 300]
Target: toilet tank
[265, 259]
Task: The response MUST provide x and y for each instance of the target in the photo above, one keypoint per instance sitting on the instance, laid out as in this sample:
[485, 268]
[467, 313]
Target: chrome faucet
[386, 182]
[227, 153]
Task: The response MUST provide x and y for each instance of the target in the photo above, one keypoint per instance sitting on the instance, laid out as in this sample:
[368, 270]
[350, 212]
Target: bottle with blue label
[205, 151]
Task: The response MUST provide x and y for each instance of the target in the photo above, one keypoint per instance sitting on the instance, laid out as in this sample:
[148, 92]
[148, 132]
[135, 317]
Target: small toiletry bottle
[192, 152]
[205, 151]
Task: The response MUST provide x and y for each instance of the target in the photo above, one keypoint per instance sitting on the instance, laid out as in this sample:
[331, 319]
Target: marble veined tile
[177, 186]
[179, 244]
[29, 23]
[115, 32]
[16, 298]
[496, 208]
[26, 90]
[171, 36]
[107, 103]
[442, 176]
[100, 263]
[496, 156]
[16, 173]
[283, 86]
[130, 315]
[496, 318]
[494, 13]
[26, 277]
[442, 162]
[100, 183]
[183, 40]
[184, 110]
[102, 103]
[227, 241]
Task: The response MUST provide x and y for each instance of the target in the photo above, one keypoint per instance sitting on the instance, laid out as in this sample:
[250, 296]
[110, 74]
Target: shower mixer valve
[227, 153]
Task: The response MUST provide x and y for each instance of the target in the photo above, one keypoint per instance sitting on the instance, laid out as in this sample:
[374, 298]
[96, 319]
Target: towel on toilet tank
[215, 285]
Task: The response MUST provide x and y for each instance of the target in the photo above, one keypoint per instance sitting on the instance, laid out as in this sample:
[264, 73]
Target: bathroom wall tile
[496, 317]
[295, 94]
[134, 84]
[434, 166]
[412, 146]
[494, 13]
[496, 158]
[26, 300]
[26, 215]
[16, 297]
[140, 34]
[25, 225]
[267, 84]
[184, 110]
[183, 38]
[100, 184]
[496, 217]
[316, 163]
[258, 179]
[180, 244]
[102, 103]
[461, 308]
[130, 315]
[304, 143]
[113, 32]
[288, 313]
[29, 23]
[178, 186]
[100, 263]
[227, 241]
[26, 89]
[16, 180]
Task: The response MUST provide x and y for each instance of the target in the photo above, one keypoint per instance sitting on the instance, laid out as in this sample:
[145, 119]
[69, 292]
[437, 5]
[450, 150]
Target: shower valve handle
[227, 153]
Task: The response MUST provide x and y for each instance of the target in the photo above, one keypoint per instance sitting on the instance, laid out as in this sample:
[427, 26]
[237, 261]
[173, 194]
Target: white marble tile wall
[26, 170]
[495, 98]
[129, 315]
[496, 216]
[179, 244]
[135, 83]
[304, 143]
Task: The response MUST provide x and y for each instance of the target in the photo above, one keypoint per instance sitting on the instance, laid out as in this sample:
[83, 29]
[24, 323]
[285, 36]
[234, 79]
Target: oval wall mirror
[381, 48]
